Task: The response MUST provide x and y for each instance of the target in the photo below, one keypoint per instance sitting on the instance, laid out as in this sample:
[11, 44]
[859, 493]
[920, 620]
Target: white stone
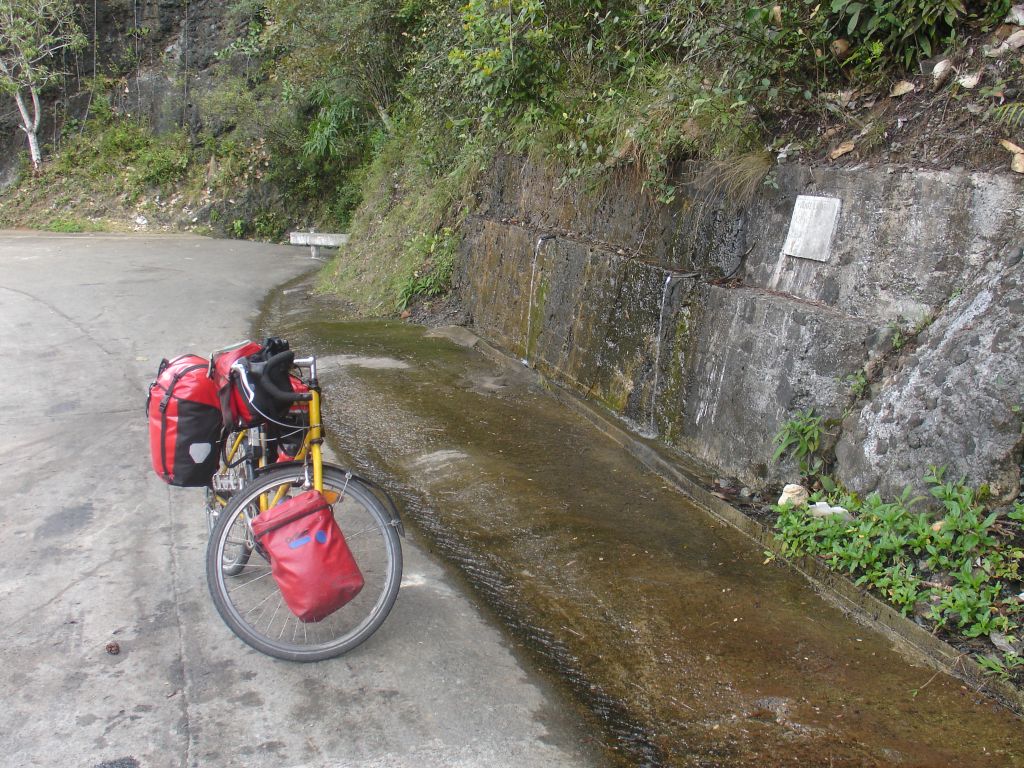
[1015, 41]
[1016, 15]
[794, 495]
[824, 509]
[969, 81]
[941, 73]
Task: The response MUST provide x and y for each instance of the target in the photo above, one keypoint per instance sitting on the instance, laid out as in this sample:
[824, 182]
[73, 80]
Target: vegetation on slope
[317, 108]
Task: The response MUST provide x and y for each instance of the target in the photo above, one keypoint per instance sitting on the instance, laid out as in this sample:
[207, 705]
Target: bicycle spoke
[250, 581]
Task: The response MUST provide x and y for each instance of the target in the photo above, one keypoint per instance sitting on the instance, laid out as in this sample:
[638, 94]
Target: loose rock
[794, 495]
[1002, 642]
[941, 73]
[902, 88]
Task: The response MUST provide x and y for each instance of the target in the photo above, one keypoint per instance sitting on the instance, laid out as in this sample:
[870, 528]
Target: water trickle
[529, 311]
[657, 348]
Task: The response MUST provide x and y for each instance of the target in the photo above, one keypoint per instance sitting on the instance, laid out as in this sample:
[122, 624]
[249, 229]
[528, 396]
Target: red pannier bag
[309, 558]
[233, 404]
[185, 425]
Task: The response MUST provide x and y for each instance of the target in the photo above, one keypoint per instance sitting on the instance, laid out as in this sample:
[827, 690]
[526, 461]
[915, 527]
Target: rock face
[165, 67]
[955, 402]
[694, 323]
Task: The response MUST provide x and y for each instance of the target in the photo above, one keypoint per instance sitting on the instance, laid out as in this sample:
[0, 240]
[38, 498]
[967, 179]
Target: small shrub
[800, 437]
[858, 383]
[907, 29]
[269, 225]
[436, 255]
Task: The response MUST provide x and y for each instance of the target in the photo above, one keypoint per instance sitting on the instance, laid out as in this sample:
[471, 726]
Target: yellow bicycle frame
[312, 447]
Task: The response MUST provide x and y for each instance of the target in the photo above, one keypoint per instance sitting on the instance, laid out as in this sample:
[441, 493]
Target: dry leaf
[1017, 166]
[1009, 146]
[777, 15]
[844, 148]
[902, 88]
[840, 48]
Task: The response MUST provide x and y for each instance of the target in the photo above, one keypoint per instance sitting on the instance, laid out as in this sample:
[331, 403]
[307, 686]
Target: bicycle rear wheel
[249, 600]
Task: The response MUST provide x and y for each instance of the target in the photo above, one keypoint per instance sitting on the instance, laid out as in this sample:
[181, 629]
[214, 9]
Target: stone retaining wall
[690, 323]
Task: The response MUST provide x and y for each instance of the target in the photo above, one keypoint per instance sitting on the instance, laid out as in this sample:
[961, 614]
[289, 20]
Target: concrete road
[95, 549]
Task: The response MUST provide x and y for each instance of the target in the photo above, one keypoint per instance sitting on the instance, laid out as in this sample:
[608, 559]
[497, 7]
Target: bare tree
[32, 34]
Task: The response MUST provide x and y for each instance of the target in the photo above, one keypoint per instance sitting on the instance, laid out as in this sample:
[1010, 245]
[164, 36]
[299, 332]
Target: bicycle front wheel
[249, 600]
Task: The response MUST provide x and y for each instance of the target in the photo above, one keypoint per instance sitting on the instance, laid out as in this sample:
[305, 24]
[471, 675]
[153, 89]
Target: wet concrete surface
[676, 638]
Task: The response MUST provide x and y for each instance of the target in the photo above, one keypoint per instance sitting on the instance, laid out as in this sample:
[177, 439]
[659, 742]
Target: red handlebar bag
[309, 558]
[237, 412]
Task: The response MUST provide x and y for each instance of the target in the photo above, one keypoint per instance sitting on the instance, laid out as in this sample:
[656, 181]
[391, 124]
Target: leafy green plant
[72, 225]
[269, 225]
[505, 59]
[238, 228]
[858, 383]
[897, 336]
[1009, 115]
[800, 437]
[908, 29]
[950, 560]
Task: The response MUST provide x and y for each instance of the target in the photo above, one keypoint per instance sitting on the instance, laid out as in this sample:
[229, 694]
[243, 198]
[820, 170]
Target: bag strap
[174, 382]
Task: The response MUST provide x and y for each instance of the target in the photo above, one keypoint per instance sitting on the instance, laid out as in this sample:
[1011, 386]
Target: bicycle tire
[245, 600]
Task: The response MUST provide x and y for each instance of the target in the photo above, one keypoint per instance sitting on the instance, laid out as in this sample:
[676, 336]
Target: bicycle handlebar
[264, 373]
[263, 377]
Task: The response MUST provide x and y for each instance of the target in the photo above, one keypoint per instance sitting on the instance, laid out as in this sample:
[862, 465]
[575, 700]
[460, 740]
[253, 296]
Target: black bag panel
[197, 448]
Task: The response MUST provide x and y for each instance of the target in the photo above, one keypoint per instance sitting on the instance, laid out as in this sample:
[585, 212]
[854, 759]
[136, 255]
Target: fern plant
[1010, 116]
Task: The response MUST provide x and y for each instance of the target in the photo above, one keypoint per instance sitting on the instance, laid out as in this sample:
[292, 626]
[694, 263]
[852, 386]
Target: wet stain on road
[65, 522]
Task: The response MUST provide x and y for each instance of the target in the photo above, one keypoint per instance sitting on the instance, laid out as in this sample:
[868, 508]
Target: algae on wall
[689, 322]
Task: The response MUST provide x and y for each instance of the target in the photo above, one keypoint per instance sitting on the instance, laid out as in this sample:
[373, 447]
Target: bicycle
[257, 474]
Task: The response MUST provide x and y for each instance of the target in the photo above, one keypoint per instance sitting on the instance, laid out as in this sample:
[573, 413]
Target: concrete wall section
[955, 402]
[757, 358]
[904, 240]
[692, 324]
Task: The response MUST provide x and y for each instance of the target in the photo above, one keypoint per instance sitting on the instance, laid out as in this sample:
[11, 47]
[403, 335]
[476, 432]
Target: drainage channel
[680, 643]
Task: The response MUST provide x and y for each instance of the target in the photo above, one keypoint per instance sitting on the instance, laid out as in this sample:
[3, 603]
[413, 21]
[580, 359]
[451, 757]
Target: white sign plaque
[812, 226]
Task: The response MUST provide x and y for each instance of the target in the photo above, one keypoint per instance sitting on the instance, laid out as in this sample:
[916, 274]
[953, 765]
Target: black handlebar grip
[282, 360]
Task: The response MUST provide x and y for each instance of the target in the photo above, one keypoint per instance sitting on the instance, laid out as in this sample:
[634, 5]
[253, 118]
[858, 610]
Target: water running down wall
[689, 322]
